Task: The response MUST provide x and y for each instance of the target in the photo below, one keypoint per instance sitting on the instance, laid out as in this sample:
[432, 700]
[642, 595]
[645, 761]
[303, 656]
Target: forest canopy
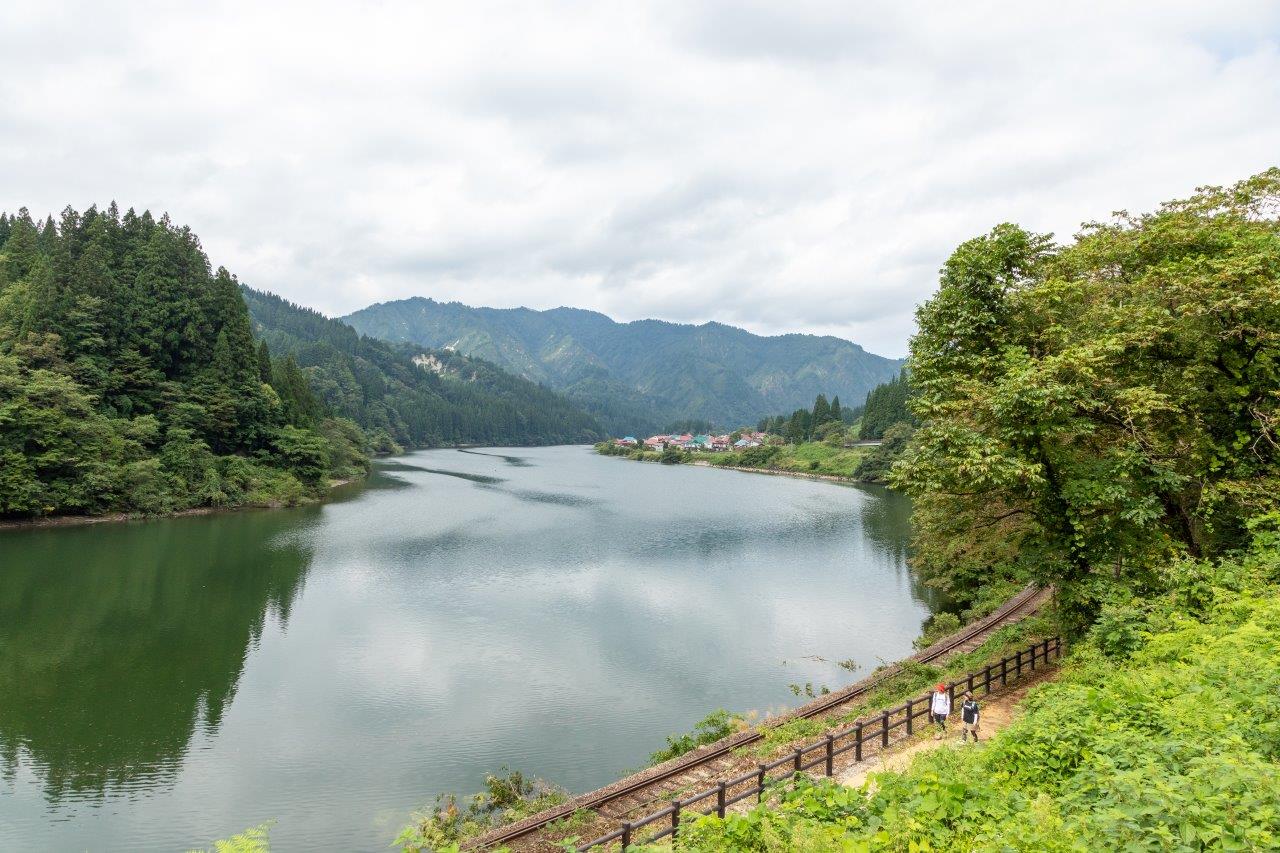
[130, 380]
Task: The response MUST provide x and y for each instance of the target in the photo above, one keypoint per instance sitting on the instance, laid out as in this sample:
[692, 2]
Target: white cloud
[786, 167]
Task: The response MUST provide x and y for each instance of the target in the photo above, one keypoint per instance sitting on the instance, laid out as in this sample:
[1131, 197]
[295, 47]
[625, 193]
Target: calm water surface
[333, 668]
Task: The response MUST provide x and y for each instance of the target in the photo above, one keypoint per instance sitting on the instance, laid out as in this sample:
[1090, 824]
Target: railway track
[705, 766]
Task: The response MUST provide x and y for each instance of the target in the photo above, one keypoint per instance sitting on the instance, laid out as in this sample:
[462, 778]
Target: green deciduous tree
[1088, 410]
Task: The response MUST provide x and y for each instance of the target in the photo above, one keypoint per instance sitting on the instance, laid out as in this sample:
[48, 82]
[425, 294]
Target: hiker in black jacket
[969, 715]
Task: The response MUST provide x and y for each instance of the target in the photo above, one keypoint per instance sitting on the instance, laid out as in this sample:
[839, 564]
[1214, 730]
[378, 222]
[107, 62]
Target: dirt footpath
[997, 713]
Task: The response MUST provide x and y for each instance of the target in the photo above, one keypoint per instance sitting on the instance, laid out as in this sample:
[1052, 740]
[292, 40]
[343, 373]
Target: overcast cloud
[787, 166]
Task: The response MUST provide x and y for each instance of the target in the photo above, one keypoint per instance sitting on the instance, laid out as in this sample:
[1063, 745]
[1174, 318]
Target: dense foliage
[1090, 411]
[414, 397]
[1161, 734]
[635, 377]
[877, 465]
[129, 378]
[886, 406]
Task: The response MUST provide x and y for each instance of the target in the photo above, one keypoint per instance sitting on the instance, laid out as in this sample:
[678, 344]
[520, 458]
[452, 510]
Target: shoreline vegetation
[190, 512]
[798, 462]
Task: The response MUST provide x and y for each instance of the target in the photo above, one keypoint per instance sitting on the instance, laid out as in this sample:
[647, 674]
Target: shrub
[716, 725]
[936, 627]
[672, 456]
[508, 796]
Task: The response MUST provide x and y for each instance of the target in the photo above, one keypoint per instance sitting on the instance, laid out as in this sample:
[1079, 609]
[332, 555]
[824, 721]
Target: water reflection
[517, 461]
[117, 642]
[333, 668]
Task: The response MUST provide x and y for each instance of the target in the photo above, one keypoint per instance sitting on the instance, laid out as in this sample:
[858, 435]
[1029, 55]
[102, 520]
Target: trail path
[997, 713]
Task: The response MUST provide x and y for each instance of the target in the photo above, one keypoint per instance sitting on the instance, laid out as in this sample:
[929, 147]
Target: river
[332, 668]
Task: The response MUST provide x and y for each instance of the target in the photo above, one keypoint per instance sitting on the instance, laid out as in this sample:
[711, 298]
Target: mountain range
[414, 396]
[638, 376]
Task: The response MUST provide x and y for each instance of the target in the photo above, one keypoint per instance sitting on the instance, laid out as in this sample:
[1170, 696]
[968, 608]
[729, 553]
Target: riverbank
[809, 460]
[116, 517]
[778, 472]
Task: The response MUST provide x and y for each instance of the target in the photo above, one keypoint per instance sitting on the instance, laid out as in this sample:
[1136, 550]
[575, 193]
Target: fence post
[1057, 647]
[1004, 671]
[1033, 657]
[857, 741]
[719, 801]
[831, 755]
[884, 730]
[910, 714]
[626, 834]
[986, 679]
[1046, 652]
[969, 683]
[760, 783]
[797, 761]
[675, 816]
[951, 692]
[1019, 663]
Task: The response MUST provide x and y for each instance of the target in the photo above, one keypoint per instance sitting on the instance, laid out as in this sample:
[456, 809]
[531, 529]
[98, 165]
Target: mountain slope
[637, 376]
[418, 397]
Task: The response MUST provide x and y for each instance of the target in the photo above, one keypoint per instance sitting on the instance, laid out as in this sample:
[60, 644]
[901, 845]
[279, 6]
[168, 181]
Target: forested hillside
[129, 378]
[637, 377]
[412, 396]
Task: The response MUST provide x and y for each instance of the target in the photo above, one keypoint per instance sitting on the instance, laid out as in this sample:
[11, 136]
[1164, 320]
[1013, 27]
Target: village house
[690, 442]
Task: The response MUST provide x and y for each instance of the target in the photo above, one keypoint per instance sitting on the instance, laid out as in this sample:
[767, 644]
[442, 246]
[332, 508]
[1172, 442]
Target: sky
[792, 166]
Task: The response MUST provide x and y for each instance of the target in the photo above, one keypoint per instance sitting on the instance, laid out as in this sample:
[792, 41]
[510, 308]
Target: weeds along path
[593, 814]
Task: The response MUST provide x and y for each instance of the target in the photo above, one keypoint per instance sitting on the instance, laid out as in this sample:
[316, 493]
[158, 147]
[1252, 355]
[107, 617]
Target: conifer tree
[264, 362]
[821, 411]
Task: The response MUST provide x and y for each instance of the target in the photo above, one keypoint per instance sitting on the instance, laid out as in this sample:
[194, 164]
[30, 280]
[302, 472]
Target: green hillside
[413, 396]
[636, 377]
[130, 381]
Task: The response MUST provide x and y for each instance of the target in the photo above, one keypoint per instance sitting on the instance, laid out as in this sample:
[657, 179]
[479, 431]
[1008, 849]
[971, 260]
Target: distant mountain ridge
[637, 376]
